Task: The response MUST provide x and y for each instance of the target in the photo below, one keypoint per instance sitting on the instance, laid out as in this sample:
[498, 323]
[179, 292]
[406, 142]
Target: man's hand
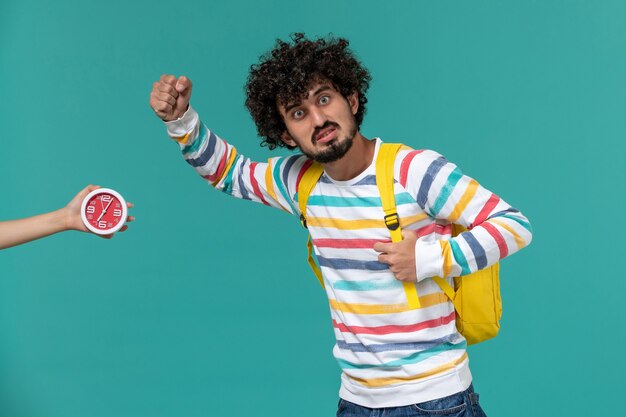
[170, 97]
[400, 256]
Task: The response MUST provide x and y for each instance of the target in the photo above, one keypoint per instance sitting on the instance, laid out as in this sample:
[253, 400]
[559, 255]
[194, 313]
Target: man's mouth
[326, 135]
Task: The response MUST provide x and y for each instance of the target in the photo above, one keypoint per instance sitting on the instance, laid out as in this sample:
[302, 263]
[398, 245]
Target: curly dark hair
[285, 74]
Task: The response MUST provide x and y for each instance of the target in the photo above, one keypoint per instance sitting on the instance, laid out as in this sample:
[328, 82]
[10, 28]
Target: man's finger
[409, 234]
[383, 247]
[165, 97]
[168, 79]
[166, 88]
[384, 258]
[163, 107]
[183, 85]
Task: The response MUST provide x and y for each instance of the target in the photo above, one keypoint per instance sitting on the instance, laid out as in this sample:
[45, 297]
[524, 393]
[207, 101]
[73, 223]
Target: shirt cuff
[428, 259]
[180, 129]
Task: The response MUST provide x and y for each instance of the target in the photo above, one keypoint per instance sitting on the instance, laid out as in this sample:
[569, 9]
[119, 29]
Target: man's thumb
[409, 234]
[183, 85]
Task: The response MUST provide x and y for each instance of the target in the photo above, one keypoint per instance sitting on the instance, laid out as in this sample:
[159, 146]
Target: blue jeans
[461, 404]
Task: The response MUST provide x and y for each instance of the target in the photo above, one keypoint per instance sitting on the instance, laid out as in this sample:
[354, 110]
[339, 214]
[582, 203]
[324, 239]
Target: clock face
[104, 211]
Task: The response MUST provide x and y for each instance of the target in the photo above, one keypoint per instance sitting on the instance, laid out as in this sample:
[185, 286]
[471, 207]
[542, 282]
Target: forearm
[271, 183]
[16, 232]
[482, 246]
[495, 229]
[210, 156]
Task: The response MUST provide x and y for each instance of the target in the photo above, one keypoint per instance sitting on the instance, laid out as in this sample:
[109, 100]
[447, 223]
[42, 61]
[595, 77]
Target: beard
[335, 149]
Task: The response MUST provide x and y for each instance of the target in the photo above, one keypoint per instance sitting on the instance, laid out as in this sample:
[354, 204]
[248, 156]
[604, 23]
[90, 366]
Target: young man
[16, 232]
[310, 95]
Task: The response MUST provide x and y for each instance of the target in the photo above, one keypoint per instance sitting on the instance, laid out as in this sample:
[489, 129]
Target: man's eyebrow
[292, 105]
[321, 89]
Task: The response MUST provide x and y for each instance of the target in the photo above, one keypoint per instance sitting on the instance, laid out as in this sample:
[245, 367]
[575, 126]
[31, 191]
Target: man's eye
[324, 100]
[298, 114]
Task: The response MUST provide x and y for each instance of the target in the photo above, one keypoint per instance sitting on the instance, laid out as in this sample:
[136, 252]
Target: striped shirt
[390, 354]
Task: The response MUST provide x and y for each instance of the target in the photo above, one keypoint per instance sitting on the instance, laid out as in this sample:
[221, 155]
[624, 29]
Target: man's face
[322, 124]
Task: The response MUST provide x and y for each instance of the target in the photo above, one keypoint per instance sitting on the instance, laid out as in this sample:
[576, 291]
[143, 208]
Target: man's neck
[354, 162]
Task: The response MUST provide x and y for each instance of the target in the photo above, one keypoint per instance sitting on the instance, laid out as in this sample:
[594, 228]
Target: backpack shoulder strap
[384, 180]
[385, 162]
[308, 181]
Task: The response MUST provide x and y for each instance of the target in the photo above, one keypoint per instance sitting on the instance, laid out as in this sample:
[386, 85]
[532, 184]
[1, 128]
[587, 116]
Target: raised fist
[170, 97]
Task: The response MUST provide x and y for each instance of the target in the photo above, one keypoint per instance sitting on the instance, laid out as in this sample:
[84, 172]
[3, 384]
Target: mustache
[317, 130]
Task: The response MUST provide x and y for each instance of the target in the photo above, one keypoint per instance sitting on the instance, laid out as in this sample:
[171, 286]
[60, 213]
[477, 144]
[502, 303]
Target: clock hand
[105, 210]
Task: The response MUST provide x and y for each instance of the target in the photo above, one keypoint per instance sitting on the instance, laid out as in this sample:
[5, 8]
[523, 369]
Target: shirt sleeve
[272, 183]
[494, 228]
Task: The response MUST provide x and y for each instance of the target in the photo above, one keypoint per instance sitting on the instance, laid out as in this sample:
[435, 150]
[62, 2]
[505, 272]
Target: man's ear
[287, 139]
[353, 100]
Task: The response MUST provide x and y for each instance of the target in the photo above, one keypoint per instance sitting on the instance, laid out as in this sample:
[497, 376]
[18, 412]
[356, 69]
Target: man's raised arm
[272, 183]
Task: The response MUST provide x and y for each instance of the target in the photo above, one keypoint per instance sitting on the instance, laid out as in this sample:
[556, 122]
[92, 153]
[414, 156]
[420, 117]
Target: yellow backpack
[476, 297]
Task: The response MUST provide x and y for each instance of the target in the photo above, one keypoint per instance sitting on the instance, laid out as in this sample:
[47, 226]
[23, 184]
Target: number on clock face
[104, 211]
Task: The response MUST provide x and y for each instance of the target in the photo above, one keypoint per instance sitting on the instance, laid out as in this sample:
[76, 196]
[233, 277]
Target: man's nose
[318, 117]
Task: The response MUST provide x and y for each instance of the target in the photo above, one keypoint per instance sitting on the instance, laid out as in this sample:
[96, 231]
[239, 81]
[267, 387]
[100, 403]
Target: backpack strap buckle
[392, 221]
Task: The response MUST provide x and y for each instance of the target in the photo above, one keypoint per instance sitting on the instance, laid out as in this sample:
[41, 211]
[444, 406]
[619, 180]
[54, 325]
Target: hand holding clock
[16, 232]
[82, 210]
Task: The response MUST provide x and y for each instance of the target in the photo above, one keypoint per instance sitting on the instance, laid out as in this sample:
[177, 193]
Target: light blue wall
[206, 306]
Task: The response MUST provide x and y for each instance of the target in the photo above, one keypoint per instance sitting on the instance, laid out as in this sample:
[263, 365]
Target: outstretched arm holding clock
[16, 232]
